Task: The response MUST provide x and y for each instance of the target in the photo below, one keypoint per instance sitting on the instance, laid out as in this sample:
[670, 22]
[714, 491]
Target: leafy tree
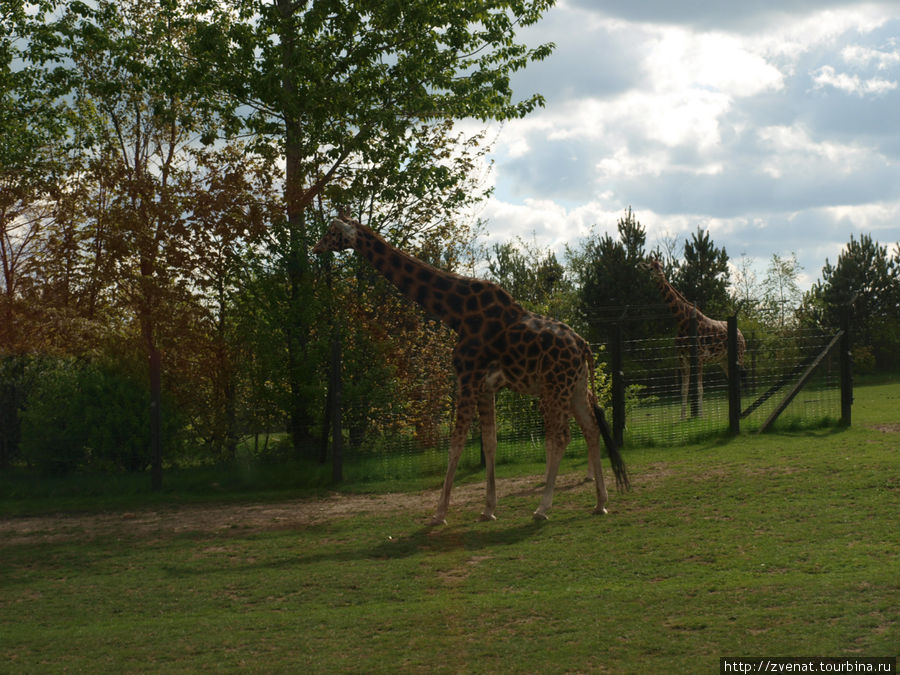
[610, 278]
[122, 237]
[409, 385]
[33, 148]
[869, 277]
[231, 201]
[332, 86]
[781, 293]
[533, 276]
[746, 288]
[703, 275]
[32, 142]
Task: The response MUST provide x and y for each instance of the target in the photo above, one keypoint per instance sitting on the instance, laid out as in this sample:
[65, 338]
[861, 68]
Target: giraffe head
[341, 235]
[652, 265]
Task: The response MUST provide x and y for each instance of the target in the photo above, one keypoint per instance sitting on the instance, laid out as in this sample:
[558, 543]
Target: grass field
[782, 544]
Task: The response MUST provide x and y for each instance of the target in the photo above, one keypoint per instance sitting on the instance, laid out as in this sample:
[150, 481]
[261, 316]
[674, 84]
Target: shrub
[86, 414]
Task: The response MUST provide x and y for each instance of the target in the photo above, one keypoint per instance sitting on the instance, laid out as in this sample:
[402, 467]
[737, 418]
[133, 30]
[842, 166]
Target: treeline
[165, 167]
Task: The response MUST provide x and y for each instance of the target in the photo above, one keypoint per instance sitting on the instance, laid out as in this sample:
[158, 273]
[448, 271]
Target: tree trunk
[298, 319]
[155, 360]
[335, 386]
[226, 372]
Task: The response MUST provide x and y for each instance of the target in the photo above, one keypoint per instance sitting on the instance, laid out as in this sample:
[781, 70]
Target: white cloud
[826, 76]
[681, 60]
[772, 125]
[547, 220]
[856, 55]
[790, 149]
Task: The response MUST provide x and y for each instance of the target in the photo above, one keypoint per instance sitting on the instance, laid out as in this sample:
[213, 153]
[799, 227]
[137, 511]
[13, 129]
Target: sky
[773, 125]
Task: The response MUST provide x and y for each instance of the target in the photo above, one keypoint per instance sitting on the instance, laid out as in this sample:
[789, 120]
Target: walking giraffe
[712, 338]
[500, 345]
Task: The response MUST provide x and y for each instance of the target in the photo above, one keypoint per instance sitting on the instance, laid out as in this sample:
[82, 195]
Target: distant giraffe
[712, 338]
[500, 345]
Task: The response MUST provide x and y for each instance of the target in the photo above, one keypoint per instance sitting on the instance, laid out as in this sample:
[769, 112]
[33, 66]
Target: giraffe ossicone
[500, 345]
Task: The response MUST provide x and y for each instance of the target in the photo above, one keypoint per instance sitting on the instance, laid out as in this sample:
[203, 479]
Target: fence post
[846, 366]
[734, 378]
[618, 384]
[693, 388]
[335, 384]
[334, 405]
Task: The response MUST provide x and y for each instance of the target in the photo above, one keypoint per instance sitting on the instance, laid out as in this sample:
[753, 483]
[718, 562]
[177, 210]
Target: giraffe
[500, 344]
[712, 338]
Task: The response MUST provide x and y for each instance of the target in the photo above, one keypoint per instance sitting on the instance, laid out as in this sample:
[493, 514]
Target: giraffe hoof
[487, 517]
[600, 511]
[538, 516]
[437, 521]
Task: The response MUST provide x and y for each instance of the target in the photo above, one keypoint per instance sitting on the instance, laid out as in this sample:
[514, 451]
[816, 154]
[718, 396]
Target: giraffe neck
[678, 304]
[432, 288]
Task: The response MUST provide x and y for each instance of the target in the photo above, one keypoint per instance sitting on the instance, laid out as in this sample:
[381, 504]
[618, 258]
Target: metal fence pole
[618, 383]
[734, 378]
[336, 385]
[694, 387]
[846, 366]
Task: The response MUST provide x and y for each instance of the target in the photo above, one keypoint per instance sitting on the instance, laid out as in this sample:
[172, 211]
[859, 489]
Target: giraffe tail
[615, 457]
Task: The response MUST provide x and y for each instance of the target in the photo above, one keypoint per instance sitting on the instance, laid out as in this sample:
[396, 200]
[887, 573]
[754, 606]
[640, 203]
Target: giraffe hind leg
[557, 438]
[591, 429]
[486, 416]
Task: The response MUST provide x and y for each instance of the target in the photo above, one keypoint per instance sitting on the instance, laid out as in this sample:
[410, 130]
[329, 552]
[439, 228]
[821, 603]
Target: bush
[14, 387]
[84, 414]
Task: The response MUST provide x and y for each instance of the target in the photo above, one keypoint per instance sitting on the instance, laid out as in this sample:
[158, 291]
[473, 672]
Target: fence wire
[661, 415]
[656, 414]
[393, 431]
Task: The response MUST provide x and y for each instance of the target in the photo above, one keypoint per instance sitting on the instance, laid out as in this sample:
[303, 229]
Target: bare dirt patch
[293, 514]
[893, 428]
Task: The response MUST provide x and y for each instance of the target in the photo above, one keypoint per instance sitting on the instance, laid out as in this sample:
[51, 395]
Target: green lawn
[782, 544]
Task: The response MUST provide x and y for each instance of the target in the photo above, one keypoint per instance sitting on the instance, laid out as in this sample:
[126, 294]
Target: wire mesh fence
[392, 430]
[660, 409]
[667, 410]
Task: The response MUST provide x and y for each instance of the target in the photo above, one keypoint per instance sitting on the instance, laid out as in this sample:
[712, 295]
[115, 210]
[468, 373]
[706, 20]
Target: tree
[781, 293]
[703, 276]
[134, 114]
[323, 83]
[434, 221]
[747, 290]
[32, 155]
[610, 278]
[869, 278]
[231, 201]
[32, 143]
[533, 276]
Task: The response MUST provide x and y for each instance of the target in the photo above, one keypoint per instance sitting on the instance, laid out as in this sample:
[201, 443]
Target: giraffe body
[500, 344]
[712, 338]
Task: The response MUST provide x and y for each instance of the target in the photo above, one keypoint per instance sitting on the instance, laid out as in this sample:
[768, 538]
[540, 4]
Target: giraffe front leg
[465, 410]
[685, 386]
[486, 415]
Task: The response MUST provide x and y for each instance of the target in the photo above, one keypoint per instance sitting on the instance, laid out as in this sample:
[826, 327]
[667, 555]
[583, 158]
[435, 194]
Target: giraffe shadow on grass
[443, 540]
